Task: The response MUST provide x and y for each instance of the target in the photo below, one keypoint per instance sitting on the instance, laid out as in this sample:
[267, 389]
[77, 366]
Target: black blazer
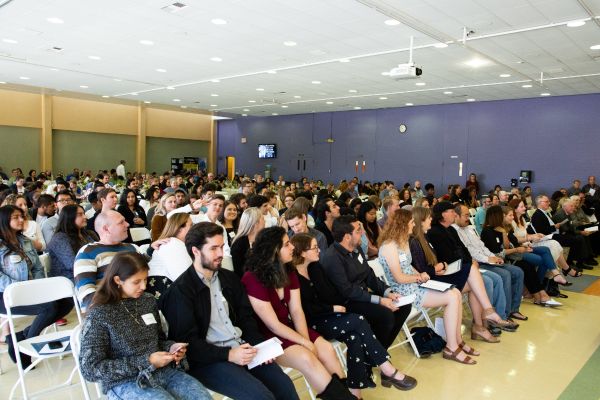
[447, 245]
[492, 239]
[186, 307]
[541, 224]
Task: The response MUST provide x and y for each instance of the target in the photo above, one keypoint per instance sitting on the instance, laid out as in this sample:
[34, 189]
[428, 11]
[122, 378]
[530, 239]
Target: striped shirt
[90, 263]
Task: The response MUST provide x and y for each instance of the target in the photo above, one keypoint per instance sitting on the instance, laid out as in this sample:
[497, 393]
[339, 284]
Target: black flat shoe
[562, 296]
[566, 272]
[407, 383]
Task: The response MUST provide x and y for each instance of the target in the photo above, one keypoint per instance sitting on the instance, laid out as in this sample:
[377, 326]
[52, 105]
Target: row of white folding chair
[28, 293]
[415, 314]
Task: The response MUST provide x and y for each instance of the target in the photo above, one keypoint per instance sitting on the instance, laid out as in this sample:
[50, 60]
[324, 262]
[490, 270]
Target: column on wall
[140, 148]
[46, 134]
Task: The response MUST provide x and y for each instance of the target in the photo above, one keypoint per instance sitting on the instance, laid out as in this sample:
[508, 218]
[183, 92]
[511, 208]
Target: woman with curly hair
[274, 292]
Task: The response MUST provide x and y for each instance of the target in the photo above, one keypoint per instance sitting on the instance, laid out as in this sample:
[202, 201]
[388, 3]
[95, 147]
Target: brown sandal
[449, 355]
[477, 333]
[471, 351]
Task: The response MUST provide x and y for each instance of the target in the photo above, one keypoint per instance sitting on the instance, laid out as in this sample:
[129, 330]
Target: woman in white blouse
[31, 229]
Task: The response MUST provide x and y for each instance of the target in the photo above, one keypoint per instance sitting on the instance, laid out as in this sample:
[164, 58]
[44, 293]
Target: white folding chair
[75, 346]
[295, 374]
[27, 293]
[340, 350]
[45, 260]
[472, 212]
[4, 321]
[139, 234]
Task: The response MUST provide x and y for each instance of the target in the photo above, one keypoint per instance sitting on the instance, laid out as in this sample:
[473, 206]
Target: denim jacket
[11, 271]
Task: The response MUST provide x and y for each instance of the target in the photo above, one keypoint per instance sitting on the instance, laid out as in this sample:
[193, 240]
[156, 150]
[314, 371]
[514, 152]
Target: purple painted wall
[558, 138]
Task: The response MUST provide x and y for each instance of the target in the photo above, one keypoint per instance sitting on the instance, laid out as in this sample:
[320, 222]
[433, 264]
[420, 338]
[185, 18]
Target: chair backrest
[378, 269]
[472, 220]
[45, 261]
[38, 291]
[139, 234]
[472, 212]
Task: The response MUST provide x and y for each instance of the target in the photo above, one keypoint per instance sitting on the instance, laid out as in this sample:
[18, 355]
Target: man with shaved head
[92, 259]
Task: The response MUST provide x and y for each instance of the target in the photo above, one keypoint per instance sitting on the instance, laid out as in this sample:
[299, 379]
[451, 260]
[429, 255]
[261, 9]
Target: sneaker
[61, 322]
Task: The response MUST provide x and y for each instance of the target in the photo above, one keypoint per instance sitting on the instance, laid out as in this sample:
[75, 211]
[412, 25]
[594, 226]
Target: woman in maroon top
[274, 292]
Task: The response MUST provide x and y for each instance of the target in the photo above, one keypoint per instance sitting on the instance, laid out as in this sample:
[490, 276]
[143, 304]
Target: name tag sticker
[360, 259]
[498, 240]
[149, 319]
[232, 234]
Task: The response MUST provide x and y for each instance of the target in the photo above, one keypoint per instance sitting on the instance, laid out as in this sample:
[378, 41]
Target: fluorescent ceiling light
[251, 101]
[272, 71]
[218, 21]
[246, 109]
[504, 75]
[575, 24]
[170, 88]
[214, 95]
[329, 102]
[260, 89]
[244, 115]
[352, 91]
[106, 96]
[297, 97]
[316, 82]
[275, 114]
[134, 94]
[147, 42]
[289, 43]
[161, 70]
[447, 92]
[216, 59]
[55, 20]
[526, 86]
[470, 100]
[391, 22]
[95, 58]
[215, 80]
[147, 102]
[176, 100]
[24, 78]
[357, 108]
[284, 106]
[595, 47]
[545, 94]
[420, 83]
[84, 86]
[440, 45]
[11, 41]
[344, 60]
[383, 98]
[214, 105]
[183, 106]
[219, 117]
[477, 62]
[409, 104]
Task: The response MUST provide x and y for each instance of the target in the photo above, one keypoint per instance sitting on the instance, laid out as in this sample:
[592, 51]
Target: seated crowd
[284, 260]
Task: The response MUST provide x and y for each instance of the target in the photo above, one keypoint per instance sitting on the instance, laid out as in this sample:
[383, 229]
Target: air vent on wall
[174, 7]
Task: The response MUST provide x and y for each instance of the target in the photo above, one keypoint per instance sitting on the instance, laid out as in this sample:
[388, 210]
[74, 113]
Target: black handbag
[427, 341]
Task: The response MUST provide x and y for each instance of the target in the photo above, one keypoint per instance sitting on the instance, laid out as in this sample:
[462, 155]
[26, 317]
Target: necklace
[130, 313]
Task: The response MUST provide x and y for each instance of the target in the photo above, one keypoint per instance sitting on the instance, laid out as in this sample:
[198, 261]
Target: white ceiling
[522, 38]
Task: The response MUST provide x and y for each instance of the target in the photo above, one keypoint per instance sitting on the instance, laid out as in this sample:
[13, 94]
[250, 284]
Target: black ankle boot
[336, 390]
[25, 359]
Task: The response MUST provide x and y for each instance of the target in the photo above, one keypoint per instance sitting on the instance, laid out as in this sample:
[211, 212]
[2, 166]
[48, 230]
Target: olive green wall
[93, 151]
[19, 147]
[160, 150]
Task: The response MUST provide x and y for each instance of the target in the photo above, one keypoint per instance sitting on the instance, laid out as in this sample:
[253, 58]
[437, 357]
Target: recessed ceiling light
[54, 69]
[244, 115]
[94, 57]
[352, 91]
[274, 114]
[297, 97]
[2, 83]
[391, 22]
[147, 102]
[545, 94]
[289, 43]
[84, 86]
[246, 109]
[595, 47]
[215, 80]
[118, 80]
[447, 92]
[526, 86]
[176, 100]
[385, 73]
[284, 106]
[25, 78]
[106, 96]
[329, 102]
[477, 62]
[409, 104]
[344, 60]
[161, 70]
[183, 106]
[271, 71]
[420, 83]
[383, 98]
[316, 82]
[170, 88]
[470, 100]
[504, 75]
[214, 95]
[440, 45]
[214, 105]
[54, 20]
[575, 24]
[147, 42]
[216, 59]
[218, 21]
[11, 41]
[260, 89]
[357, 108]
[251, 101]
[134, 94]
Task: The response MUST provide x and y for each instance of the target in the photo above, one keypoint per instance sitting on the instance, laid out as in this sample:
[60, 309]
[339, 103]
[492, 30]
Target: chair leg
[410, 340]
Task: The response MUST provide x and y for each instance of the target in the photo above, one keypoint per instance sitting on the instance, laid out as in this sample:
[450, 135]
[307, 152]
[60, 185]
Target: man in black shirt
[346, 267]
[327, 212]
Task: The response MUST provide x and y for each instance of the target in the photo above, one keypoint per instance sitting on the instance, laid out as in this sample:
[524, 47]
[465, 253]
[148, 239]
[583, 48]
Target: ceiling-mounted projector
[406, 71]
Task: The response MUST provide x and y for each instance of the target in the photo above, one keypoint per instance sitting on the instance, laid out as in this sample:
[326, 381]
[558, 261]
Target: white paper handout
[266, 351]
[592, 229]
[453, 267]
[591, 192]
[436, 285]
[405, 300]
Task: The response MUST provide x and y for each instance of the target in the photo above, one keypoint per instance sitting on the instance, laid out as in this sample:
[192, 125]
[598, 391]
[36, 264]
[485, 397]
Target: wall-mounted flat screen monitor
[267, 150]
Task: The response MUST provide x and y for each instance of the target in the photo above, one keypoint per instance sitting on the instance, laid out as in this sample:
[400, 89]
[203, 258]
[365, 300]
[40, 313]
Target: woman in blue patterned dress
[395, 257]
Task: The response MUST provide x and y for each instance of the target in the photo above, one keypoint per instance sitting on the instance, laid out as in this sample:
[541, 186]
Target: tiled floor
[538, 362]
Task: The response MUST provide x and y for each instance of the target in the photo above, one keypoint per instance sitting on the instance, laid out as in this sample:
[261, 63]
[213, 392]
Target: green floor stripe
[586, 384]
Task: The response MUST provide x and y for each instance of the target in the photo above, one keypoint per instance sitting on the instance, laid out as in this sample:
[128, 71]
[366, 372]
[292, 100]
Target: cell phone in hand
[183, 345]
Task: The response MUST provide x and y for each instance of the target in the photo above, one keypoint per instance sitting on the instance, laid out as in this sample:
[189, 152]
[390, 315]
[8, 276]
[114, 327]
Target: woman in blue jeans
[123, 345]
[19, 262]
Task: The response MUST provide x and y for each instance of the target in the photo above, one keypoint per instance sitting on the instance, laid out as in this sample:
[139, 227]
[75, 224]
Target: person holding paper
[567, 212]
[325, 314]
[395, 258]
[448, 248]
[274, 292]
[123, 346]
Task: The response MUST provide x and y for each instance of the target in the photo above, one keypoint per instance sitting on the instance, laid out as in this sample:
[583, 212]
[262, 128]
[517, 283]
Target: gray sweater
[115, 349]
